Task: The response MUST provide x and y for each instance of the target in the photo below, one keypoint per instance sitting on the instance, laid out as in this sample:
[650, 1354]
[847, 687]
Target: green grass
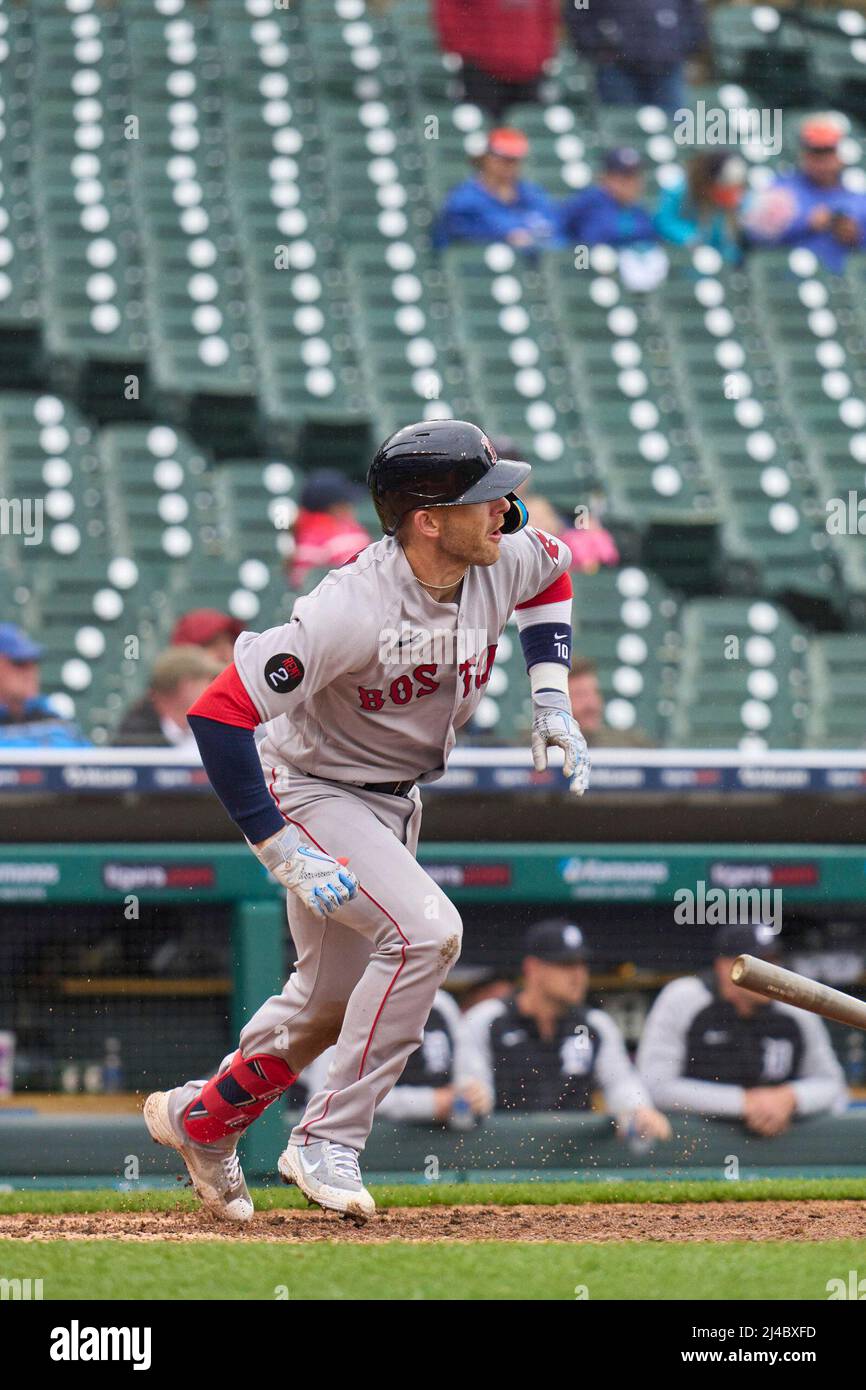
[339, 1269]
[498, 1270]
[464, 1194]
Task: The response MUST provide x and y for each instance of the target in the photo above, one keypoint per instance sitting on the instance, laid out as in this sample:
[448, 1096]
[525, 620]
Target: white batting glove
[323, 884]
[553, 725]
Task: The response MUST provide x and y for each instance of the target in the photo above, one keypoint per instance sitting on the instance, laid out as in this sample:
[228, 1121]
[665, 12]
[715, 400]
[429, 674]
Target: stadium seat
[249, 275]
[836, 666]
[743, 678]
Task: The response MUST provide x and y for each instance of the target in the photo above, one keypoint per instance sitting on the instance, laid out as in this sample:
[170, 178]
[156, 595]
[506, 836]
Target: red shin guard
[237, 1096]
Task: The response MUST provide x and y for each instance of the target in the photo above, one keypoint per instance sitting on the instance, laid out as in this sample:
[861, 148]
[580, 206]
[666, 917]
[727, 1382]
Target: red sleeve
[227, 701]
[557, 592]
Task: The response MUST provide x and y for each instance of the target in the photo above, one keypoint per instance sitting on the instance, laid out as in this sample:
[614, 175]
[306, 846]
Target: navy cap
[17, 646]
[623, 160]
[746, 940]
[326, 487]
[557, 941]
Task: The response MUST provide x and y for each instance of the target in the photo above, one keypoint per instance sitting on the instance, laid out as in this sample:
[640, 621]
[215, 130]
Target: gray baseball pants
[366, 977]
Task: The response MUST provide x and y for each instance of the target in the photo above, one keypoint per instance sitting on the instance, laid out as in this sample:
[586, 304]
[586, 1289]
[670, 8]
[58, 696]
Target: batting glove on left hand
[553, 725]
[323, 884]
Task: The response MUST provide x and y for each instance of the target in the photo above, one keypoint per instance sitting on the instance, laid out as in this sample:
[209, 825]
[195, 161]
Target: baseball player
[710, 1047]
[544, 1049]
[361, 693]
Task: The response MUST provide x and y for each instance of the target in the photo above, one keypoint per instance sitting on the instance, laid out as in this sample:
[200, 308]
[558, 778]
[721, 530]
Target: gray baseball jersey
[372, 676]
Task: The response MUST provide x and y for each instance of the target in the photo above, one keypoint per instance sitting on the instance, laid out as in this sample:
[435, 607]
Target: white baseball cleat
[216, 1173]
[329, 1175]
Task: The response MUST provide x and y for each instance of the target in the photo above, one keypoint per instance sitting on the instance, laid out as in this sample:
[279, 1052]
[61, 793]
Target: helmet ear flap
[516, 517]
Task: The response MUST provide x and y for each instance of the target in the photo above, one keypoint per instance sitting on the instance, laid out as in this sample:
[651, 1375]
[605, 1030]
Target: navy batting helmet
[442, 463]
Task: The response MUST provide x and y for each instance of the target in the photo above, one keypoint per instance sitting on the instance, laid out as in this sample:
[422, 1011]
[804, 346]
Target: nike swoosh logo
[558, 636]
[305, 1165]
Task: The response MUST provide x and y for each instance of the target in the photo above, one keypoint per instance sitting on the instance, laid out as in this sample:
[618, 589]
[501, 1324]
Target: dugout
[167, 947]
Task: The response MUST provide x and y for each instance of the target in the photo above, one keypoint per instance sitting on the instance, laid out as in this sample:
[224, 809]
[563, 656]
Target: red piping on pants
[382, 909]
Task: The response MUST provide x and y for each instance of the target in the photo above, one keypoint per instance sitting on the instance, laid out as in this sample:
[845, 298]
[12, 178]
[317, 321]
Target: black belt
[389, 788]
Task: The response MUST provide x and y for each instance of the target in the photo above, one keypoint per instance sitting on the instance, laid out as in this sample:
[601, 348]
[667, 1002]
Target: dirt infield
[615, 1221]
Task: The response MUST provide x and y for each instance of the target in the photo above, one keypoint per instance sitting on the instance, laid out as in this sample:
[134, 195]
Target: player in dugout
[544, 1049]
[713, 1048]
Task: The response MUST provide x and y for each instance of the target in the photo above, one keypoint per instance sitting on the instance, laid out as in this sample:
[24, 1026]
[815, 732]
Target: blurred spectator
[497, 204]
[28, 719]
[543, 1049]
[701, 208]
[542, 513]
[215, 632]
[504, 45]
[158, 720]
[713, 1048]
[587, 707]
[638, 47]
[611, 213]
[811, 207]
[327, 532]
[590, 543]
[426, 1091]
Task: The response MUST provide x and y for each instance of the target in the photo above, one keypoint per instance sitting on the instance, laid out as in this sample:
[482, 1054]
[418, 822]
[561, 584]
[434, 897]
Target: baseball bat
[771, 980]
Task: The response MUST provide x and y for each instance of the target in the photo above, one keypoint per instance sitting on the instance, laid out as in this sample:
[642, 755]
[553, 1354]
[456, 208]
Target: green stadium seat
[743, 677]
[836, 666]
[257, 263]
[762, 46]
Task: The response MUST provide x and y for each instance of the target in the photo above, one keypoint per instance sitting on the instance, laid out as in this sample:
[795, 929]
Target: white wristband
[548, 675]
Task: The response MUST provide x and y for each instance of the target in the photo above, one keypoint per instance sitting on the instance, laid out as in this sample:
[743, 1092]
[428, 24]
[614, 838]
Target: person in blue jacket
[27, 718]
[611, 211]
[497, 204]
[701, 208]
[811, 207]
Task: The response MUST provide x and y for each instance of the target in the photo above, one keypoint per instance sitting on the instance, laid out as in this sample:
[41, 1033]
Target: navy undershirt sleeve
[232, 763]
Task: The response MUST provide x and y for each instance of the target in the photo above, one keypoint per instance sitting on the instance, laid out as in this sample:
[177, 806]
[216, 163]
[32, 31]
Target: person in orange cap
[496, 204]
[812, 207]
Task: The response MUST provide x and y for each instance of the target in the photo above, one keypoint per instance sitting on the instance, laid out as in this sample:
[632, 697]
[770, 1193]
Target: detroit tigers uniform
[361, 694]
[523, 1070]
[698, 1054]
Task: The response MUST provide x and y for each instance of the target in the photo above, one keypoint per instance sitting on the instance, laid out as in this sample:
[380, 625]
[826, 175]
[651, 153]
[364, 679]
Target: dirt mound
[630, 1221]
